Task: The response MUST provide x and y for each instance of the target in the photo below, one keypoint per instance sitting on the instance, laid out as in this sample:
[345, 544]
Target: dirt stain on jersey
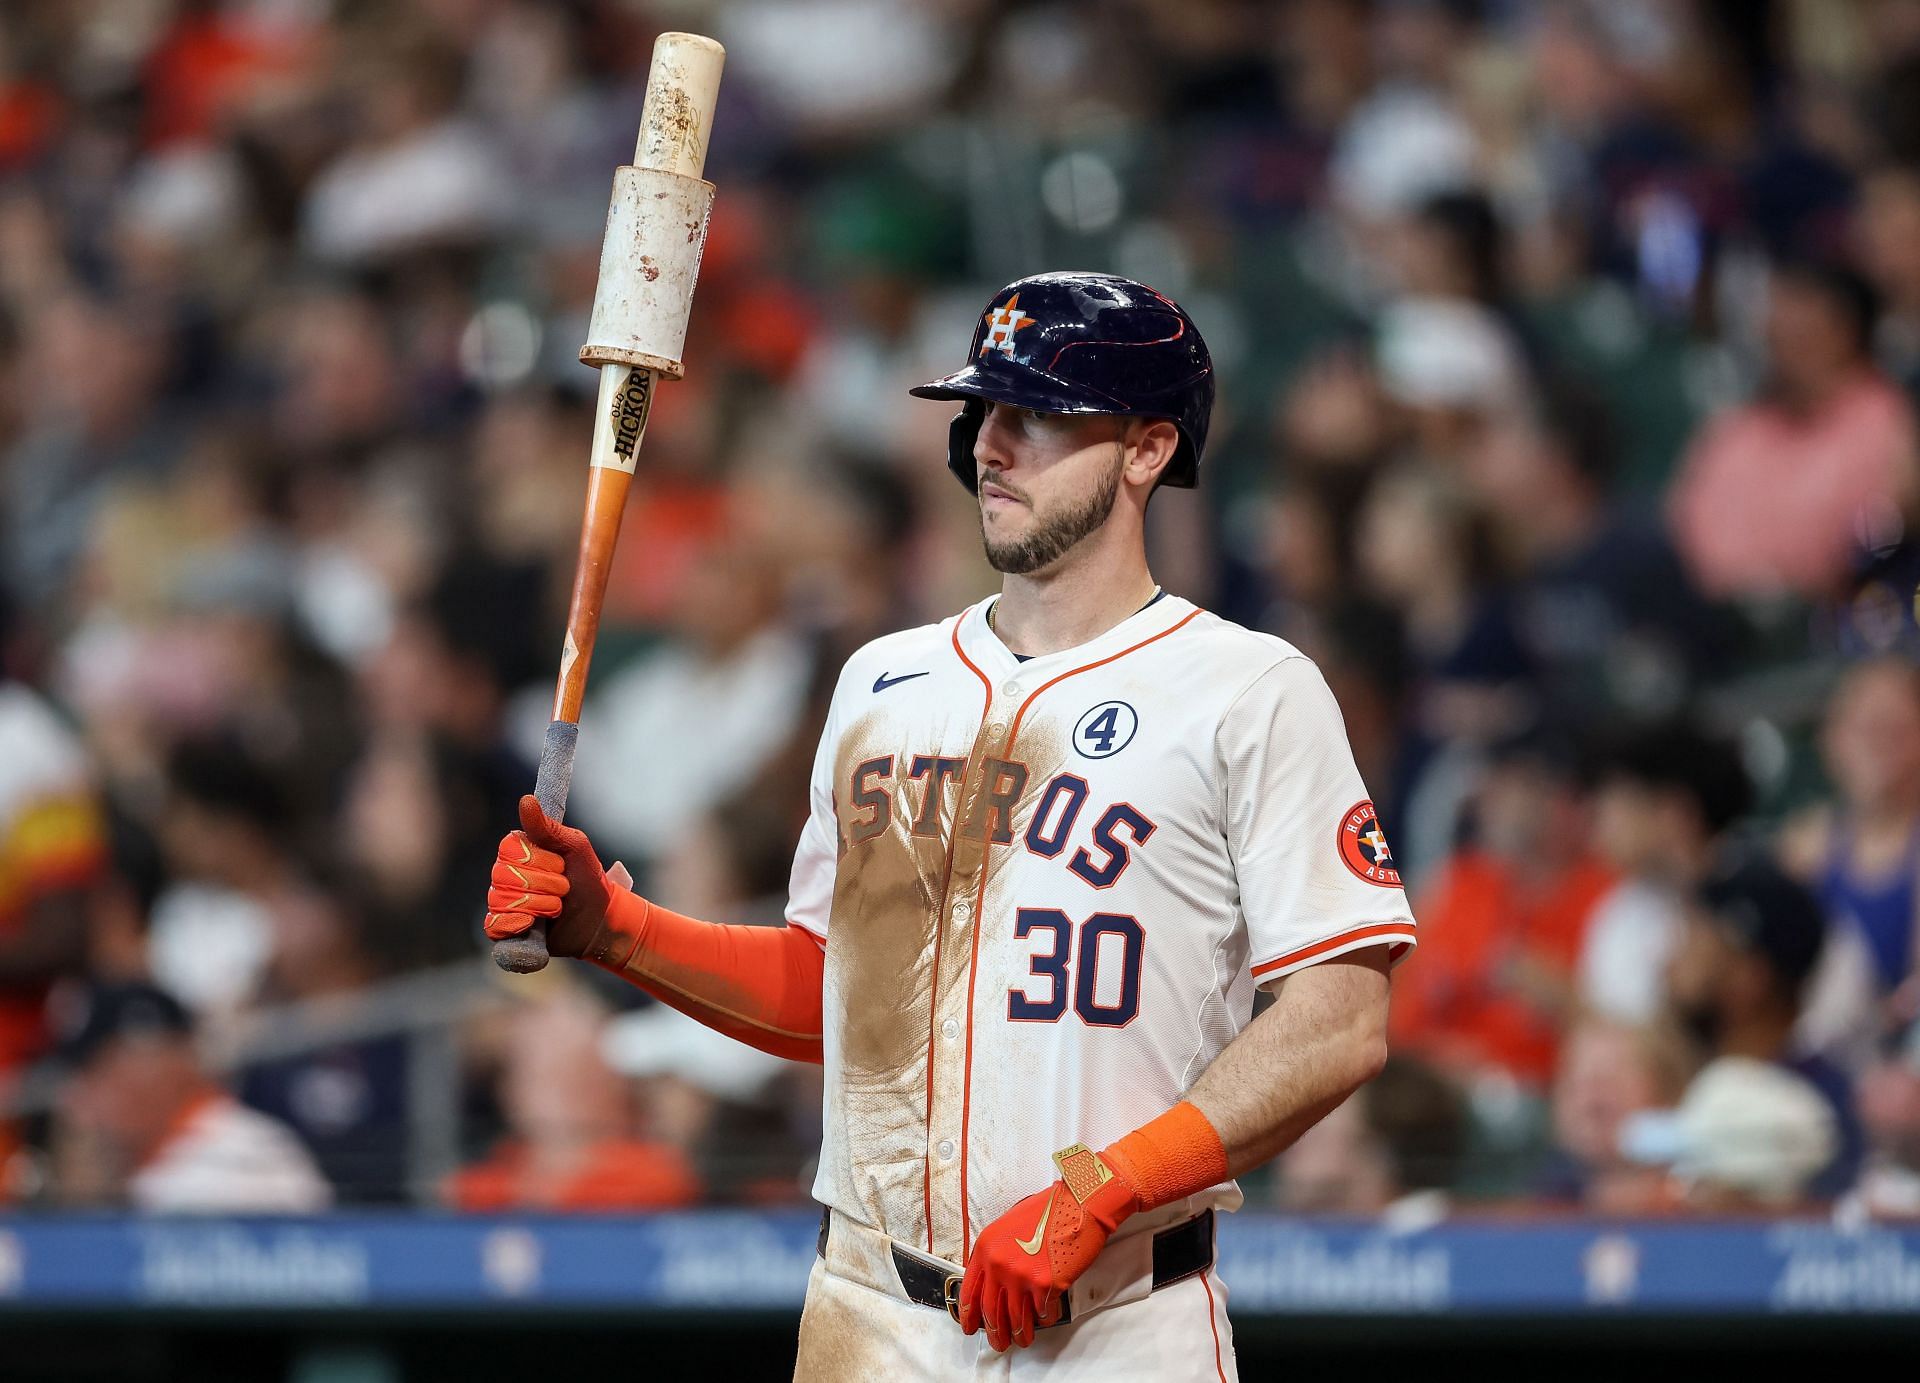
[838, 1342]
[900, 945]
[880, 961]
[982, 876]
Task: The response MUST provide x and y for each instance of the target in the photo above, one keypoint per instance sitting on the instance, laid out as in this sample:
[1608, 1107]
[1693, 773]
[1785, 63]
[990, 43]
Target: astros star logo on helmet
[1002, 322]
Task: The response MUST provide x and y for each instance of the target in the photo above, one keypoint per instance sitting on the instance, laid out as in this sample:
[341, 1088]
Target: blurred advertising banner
[757, 1262]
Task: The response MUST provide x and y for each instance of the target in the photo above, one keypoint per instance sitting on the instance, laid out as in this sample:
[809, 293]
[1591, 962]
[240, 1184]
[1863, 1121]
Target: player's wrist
[621, 932]
[1170, 1157]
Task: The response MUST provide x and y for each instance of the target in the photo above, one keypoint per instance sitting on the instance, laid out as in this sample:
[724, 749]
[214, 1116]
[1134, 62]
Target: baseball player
[1056, 842]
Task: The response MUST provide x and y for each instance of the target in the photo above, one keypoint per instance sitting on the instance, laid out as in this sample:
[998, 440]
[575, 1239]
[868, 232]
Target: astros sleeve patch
[1363, 845]
[1317, 878]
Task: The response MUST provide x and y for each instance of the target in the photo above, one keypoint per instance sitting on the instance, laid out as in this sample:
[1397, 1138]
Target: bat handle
[527, 952]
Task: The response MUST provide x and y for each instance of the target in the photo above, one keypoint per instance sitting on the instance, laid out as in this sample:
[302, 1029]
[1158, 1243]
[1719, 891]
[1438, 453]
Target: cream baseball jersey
[1048, 889]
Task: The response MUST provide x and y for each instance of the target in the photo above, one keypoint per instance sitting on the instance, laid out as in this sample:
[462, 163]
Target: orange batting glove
[1023, 1263]
[548, 870]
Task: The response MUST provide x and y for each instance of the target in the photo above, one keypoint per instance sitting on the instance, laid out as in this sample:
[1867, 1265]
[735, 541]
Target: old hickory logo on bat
[630, 418]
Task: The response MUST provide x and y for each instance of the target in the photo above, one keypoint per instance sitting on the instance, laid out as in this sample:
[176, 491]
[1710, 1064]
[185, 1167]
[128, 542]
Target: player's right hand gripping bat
[649, 261]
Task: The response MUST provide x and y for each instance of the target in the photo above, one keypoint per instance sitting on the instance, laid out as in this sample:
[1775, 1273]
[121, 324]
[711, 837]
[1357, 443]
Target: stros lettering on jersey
[1048, 889]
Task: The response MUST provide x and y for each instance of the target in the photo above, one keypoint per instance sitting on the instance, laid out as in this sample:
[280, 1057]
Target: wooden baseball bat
[649, 261]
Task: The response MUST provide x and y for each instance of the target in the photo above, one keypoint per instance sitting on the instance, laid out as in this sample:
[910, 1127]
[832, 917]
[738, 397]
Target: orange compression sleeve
[758, 984]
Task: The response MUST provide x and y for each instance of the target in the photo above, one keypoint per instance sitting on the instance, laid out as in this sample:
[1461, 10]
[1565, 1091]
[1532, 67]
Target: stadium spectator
[1749, 1137]
[1776, 496]
[1609, 1073]
[1889, 1186]
[1334, 415]
[77, 440]
[1861, 854]
[347, 1099]
[734, 862]
[339, 385]
[1736, 980]
[1451, 246]
[1666, 797]
[571, 1142]
[439, 767]
[722, 1102]
[1308, 558]
[1395, 1149]
[1510, 913]
[418, 174]
[1453, 369]
[1422, 545]
[1608, 619]
[1425, 549]
[1890, 256]
[140, 1124]
[53, 854]
[227, 835]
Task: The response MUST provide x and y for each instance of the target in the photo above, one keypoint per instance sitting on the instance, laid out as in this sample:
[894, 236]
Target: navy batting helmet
[1083, 343]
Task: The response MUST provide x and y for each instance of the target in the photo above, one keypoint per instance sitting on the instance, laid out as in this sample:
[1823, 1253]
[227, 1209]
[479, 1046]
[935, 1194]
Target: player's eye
[1034, 422]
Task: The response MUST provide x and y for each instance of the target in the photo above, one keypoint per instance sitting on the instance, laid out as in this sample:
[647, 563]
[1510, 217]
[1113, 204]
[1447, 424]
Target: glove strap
[1081, 1170]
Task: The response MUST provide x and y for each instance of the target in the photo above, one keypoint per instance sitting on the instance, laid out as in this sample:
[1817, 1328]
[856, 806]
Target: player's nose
[993, 443]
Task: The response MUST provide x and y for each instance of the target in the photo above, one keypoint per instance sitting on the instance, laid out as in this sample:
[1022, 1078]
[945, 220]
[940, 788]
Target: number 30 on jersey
[1072, 968]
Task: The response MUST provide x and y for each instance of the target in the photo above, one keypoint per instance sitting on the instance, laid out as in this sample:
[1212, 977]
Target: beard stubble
[1055, 536]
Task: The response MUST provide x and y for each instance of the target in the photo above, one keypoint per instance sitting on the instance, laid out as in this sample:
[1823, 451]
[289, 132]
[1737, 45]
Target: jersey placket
[950, 1036]
[960, 907]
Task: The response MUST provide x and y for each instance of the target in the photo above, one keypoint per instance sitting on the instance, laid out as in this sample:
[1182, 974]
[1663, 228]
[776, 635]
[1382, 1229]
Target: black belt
[1179, 1253]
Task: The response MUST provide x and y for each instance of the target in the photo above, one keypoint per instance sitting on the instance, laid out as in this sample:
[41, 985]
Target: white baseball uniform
[1047, 889]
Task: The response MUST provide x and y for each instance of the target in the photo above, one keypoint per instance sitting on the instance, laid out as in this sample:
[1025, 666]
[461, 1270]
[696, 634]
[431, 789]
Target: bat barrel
[677, 120]
[657, 219]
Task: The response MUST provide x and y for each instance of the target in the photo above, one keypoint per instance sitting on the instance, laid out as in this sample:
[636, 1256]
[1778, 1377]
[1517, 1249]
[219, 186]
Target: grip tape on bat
[527, 952]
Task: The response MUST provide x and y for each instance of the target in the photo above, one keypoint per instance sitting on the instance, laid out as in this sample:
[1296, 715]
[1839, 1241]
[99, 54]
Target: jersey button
[962, 910]
[946, 1150]
[950, 1029]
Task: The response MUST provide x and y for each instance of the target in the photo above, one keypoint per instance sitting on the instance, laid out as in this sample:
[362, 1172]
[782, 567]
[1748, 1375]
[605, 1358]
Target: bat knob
[523, 954]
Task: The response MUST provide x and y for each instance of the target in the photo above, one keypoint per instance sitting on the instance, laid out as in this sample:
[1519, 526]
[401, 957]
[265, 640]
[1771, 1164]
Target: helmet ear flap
[962, 433]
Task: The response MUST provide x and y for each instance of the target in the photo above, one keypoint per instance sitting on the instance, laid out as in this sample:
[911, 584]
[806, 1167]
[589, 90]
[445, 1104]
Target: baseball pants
[852, 1333]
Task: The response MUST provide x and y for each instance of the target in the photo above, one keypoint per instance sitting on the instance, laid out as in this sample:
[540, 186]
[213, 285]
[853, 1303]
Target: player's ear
[1151, 445]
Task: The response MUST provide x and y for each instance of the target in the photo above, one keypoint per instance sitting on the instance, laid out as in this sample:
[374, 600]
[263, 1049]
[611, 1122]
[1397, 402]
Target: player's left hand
[1024, 1261]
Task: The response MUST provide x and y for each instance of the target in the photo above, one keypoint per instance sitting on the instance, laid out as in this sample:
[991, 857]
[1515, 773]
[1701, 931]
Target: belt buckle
[950, 1295]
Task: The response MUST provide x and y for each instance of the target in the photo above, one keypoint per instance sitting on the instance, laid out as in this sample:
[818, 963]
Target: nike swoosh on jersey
[1032, 1246]
[882, 682]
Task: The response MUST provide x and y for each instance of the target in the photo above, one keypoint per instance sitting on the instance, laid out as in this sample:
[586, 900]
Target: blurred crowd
[1568, 353]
